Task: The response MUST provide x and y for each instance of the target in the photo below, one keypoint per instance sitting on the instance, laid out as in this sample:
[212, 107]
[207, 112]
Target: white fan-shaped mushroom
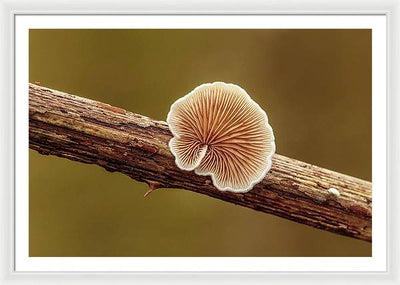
[220, 131]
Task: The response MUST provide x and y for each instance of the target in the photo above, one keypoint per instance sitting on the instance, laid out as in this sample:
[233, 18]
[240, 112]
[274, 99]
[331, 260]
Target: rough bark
[118, 140]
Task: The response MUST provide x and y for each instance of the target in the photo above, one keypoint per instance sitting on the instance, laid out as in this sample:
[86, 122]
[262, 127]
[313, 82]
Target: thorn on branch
[153, 185]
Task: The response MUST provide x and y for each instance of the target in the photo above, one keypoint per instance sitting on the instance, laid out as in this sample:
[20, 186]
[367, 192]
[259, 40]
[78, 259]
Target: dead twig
[92, 132]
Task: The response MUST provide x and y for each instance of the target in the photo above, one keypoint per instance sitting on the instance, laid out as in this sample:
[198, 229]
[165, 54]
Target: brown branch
[92, 132]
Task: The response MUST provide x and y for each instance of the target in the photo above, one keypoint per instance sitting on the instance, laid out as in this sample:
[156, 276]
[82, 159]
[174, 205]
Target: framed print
[263, 144]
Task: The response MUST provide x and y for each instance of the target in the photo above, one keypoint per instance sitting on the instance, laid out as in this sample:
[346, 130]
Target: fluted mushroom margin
[220, 87]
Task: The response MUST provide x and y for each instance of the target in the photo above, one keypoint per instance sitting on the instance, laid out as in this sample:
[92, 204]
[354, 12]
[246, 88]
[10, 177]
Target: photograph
[200, 142]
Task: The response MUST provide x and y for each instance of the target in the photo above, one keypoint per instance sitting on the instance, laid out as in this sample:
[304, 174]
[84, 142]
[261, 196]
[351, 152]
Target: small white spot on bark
[334, 192]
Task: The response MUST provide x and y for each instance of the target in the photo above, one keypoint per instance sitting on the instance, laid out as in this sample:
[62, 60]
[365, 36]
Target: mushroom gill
[220, 131]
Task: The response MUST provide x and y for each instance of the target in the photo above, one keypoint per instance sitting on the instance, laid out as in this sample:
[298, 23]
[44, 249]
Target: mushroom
[218, 130]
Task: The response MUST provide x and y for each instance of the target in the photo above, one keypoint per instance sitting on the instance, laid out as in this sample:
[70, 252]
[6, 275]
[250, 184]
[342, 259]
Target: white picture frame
[9, 12]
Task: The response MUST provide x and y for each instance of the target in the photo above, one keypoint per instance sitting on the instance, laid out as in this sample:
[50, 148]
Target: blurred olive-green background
[315, 86]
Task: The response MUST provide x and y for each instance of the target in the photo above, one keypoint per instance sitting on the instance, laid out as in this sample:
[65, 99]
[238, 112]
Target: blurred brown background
[315, 86]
